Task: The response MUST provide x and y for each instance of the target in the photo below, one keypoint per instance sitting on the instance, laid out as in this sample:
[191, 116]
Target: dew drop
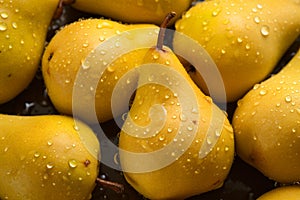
[36, 154]
[182, 117]
[49, 143]
[226, 149]
[101, 38]
[4, 15]
[215, 12]
[256, 86]
[288, 99]
[72, 163]
[3, 26]
[259, 6]
[262, 92]
[76, 128]
[256, 19]
[14, 25]
[265, 30]
[50, 165]
[161, 138]
[239, 40]
[247, 46]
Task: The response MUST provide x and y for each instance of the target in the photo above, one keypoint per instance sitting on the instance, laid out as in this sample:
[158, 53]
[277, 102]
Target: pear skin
[23, 29]
[47, 157]
[284, 192]
[134, 11]
[246, 38]
[190, 171]
[266, 125]
[65, 56]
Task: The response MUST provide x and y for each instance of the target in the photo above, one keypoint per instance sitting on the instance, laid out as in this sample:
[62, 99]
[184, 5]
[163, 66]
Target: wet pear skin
[246, 39]
[23, 30]
[266, 125]
[45, 157]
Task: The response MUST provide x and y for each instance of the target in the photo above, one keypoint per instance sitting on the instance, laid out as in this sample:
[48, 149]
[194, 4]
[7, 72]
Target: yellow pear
[23, 29]
[70, 56]
[134, 11]
[266, 125]
[245, 38]
[47, 157]
[284, 192]
[175, 142]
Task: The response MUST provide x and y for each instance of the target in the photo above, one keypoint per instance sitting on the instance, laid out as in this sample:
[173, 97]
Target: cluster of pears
[172, 130]
[60, 71]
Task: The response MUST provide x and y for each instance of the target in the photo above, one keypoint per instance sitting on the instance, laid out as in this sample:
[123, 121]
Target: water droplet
[288, 99]
[72, 163]
[76, 128]
[259, 6]
[101, 38]
[4, 15]
[3, 26]
[218, 133]
[190, 128]
[256, 86]
[50, 143]
[256, 19]
[247, 46]
[226, 149]
[5, 149]
[85, 64]
[262, 92]
[14, 25]
[161, 138]
[50, 165]
[36, 154]
[239, 40]
[182, 117]
[155, 55]
[216, 12]
[265, 30]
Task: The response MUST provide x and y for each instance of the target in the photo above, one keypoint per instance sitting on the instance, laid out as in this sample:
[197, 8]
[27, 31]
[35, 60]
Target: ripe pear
[134, 11]
[47, 157]
[23, 29]
[266, 125]
[68, 54]
[245, 38]
[175, 142]
[284, 192]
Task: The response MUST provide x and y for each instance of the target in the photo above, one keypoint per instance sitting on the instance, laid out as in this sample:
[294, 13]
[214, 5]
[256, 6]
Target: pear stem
[162, 30]
[118, 188]
[59, 9]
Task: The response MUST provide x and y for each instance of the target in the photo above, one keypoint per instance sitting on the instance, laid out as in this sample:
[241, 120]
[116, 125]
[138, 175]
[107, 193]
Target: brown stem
[162, 30]
[119, 188]
[59, 9]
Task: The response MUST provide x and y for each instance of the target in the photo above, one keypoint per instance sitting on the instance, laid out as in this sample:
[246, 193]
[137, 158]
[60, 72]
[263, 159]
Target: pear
[68, 58]
[266, 125]
[134, 11]
[23, 29]
[245, 38]
[47, 157]
[284, 192]
[175, 142]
